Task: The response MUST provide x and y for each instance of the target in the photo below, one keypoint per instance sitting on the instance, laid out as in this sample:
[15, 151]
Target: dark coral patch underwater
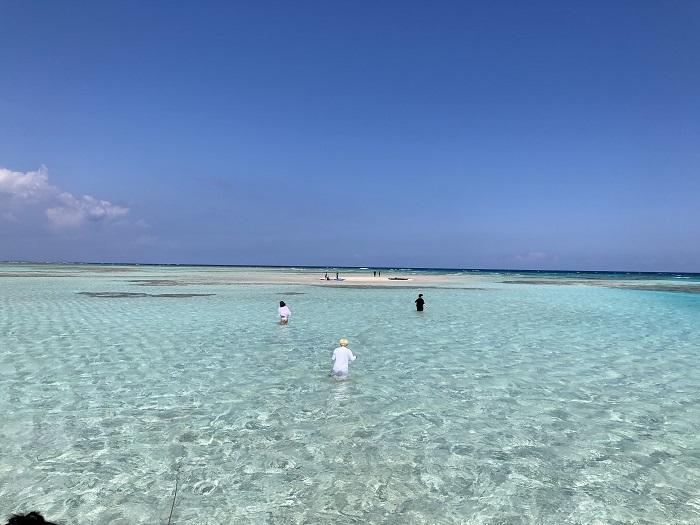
[121, 295]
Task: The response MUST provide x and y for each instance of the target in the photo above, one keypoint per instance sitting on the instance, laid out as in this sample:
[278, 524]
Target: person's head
[420, 295]
[344, 342]
[33, 518]
[282, 304]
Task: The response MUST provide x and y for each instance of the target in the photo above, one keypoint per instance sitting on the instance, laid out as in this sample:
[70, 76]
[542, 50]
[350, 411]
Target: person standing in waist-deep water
[420, 302]
[341, 360]
[285, 313]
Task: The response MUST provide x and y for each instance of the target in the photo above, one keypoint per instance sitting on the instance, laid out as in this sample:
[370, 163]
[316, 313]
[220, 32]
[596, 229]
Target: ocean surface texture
[513, 399]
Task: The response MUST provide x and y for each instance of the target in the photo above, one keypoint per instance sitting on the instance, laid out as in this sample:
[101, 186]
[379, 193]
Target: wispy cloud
[63, 209]
[9, 216]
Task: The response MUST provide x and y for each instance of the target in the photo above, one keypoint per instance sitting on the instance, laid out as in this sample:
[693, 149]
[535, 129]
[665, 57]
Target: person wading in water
[419, 303]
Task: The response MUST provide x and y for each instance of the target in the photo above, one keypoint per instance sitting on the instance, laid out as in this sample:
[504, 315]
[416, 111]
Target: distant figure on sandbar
[326, 276]
[419, 303]
[336, 276]
[375, 273]
[285, 313]
[379, 273]
[341, 360]
[33, 518]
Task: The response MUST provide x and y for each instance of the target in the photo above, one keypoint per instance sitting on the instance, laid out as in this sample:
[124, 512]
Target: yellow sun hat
[343, 342]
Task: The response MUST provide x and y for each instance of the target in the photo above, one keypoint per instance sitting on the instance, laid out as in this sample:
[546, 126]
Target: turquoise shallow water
[509, 404]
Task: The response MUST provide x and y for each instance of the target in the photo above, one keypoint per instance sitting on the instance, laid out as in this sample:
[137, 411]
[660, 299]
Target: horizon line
[417, 268]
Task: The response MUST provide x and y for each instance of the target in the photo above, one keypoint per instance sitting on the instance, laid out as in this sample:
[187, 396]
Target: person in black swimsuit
[420, 302]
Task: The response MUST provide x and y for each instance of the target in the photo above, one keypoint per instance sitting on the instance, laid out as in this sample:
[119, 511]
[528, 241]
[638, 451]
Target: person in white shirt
[341, 359]
[285, 313]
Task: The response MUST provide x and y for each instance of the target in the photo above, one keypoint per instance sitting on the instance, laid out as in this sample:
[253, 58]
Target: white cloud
[75, 211]
[31, 185]
[63, 209]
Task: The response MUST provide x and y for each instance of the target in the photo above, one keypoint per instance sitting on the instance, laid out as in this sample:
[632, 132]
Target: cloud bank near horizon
[31, 190]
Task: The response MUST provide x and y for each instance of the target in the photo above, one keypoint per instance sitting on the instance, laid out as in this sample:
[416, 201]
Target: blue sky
[454, 134]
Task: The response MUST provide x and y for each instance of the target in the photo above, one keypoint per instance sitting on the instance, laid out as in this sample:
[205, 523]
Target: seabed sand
[407, 279]
[354, 279]
[310, 277]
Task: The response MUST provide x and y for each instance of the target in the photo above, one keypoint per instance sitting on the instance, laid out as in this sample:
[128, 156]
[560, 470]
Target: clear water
[508, 404]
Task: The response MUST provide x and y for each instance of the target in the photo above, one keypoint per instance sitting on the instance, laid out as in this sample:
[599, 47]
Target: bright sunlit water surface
[502, 403]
